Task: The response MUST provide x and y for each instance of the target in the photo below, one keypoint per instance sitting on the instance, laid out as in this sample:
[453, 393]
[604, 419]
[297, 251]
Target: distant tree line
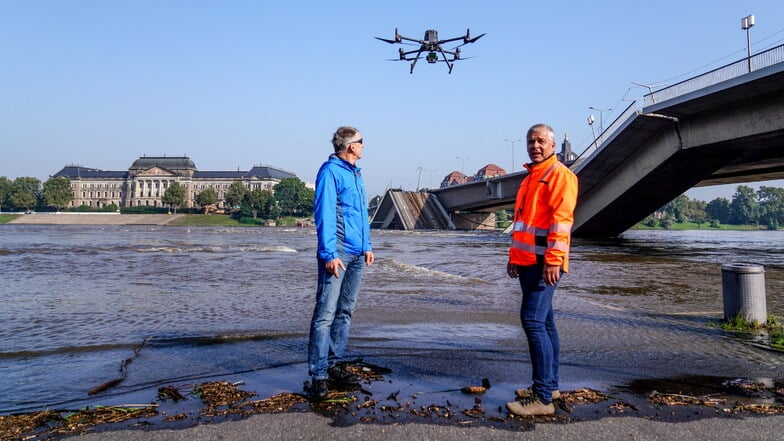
[25, 193]
[764, 207]
[290, 197]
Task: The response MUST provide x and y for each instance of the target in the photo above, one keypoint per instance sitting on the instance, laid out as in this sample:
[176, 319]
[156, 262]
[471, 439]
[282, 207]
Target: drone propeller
[468, 40]
[385, 40]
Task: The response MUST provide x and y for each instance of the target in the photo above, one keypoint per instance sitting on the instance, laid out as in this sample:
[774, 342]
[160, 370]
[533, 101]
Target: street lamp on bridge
[513, 141]
[601, 118]
[462, 163]
[590, 123]
[746, 23]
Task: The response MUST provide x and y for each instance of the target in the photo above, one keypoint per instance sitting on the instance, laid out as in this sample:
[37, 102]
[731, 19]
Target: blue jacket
[340, 210]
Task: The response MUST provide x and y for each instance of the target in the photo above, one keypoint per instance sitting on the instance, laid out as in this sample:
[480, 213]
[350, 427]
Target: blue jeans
[335, 301]
[536, 315]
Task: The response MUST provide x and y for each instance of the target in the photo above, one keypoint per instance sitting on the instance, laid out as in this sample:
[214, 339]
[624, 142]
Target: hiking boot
[527, 392]
[319, 390]
[530, 406]
[339, 375]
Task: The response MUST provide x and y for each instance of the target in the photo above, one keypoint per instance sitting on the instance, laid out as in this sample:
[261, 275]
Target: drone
[432, 45]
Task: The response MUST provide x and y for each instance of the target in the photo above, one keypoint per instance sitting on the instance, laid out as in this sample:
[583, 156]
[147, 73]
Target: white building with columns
[146, 181]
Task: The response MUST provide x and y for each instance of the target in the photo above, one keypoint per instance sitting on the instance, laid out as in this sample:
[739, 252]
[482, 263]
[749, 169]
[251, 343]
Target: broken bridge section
[411, 210]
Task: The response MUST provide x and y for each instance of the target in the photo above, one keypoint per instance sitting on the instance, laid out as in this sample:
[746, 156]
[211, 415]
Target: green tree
[697, 211]
[235, 194]
[677, 208]
[24, 192]
[294, 199]
[174, 196]
[256, 202]
[5, 190]
[744, 208]
[719, 209]
[771, 203]
[58, 192]
[208, 196]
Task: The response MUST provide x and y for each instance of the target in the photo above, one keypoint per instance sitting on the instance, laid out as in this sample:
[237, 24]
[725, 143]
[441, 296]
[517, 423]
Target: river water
[186, 304]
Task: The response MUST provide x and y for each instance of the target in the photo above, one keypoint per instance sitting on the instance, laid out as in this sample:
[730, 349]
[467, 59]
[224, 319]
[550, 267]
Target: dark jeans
[335, 301]
[536, 315]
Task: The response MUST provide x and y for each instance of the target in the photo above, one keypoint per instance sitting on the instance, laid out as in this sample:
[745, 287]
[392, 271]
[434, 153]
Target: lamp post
[746, 23]
[590, 123]
[462, 163]
[650, 89]
[601, 117]
[513, 141]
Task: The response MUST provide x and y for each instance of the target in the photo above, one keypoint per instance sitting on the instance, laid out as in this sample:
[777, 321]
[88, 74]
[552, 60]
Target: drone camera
[432, 57]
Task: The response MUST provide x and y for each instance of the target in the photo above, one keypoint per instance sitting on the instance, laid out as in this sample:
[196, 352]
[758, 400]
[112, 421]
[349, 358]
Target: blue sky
[236, 83]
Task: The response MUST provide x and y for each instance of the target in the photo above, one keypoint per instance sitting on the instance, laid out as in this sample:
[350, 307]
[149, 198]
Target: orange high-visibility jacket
[544, 214]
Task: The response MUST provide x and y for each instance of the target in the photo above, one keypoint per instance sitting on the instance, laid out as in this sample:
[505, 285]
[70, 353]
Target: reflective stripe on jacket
[544, 214]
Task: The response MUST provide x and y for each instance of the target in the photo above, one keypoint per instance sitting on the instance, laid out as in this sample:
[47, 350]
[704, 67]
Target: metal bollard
[743, 290]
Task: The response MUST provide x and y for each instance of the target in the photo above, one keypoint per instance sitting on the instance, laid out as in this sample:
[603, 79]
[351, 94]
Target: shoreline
[61, 218]
[398, 404]
[90, 218]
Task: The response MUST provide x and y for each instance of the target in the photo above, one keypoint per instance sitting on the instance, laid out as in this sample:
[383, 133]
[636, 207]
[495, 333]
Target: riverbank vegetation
[5, 218]
[748, 210]
[772, 327]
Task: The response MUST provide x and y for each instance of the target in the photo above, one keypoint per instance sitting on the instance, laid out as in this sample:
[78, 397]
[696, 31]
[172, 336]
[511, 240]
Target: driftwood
[123, 371]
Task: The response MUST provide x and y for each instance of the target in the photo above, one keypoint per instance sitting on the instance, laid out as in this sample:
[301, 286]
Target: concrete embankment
[95, 219]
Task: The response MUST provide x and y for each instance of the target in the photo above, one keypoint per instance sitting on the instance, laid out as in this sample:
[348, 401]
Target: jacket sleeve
[563, 199]
[325, 214]
[366, 245]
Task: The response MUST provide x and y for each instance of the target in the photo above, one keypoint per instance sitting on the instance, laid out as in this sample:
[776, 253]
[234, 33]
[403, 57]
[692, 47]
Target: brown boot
[526, 393]
[529, 407]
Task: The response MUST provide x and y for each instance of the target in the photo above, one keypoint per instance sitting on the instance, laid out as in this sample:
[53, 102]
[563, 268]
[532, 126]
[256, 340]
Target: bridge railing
[605, 135]
[724, 73]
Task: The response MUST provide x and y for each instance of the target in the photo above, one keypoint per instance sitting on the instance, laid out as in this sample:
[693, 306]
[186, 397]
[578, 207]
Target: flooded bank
[437, 309]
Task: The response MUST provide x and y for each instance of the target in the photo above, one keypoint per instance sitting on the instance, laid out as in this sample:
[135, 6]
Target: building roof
[490, 170]
[167, 162]
[77, 171]
[266, 172]
[219, 174]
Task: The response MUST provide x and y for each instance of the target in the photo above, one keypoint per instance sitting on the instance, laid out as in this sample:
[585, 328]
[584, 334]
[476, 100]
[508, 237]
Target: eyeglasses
[359, 141]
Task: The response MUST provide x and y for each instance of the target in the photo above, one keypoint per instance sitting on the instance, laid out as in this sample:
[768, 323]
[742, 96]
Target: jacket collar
[531, 167]
[343, 163]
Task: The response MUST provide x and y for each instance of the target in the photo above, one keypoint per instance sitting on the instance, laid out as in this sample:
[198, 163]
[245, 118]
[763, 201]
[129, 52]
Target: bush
[144, 209]
[715, 223]
[287, 222]
[251, 221]
[667, 224]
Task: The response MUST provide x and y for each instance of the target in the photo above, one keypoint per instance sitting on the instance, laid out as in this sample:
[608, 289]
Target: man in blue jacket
[344, 249]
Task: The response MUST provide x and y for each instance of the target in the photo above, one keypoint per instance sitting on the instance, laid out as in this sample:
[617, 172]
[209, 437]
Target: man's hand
[551, 274]
[369, 258]
[511, 270]
[333, 266]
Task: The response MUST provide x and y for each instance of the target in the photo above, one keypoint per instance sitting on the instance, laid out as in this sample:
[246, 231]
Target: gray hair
[544, 127]
[342, 136]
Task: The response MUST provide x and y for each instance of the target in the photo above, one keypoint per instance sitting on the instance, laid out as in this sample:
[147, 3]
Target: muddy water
[75, 301]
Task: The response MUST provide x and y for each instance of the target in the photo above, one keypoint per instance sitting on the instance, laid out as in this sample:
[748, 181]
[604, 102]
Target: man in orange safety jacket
[539, 254]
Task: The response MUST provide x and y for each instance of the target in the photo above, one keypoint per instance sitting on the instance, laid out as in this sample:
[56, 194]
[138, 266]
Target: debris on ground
[362, 404]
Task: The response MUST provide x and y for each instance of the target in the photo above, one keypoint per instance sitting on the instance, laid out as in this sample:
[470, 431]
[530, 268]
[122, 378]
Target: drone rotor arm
[448, 40]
